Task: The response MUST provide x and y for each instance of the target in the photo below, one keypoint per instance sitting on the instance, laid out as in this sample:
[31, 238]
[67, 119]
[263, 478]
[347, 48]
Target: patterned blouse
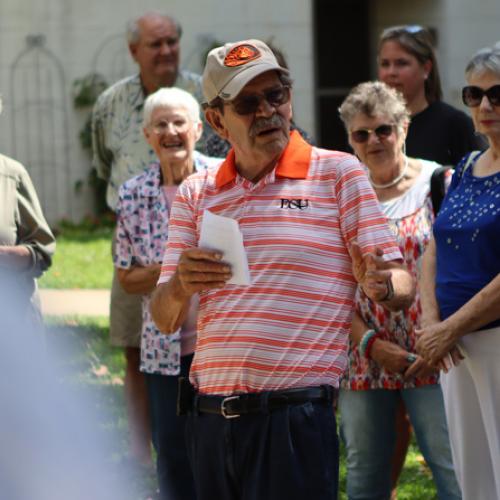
[143, 212]
[410, 217]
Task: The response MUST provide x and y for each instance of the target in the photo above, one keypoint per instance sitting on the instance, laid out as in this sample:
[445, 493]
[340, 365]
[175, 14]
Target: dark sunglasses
[248, 104]
[472, 96]
[382, 132]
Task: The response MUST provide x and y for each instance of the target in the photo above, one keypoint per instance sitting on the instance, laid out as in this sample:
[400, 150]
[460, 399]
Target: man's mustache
[260, 124]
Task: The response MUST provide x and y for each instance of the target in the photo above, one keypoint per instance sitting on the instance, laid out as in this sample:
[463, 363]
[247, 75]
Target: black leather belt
[241, 404]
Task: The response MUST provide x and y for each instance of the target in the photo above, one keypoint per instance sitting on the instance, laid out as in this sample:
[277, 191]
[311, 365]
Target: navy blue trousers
[289, 454]
[175, 479]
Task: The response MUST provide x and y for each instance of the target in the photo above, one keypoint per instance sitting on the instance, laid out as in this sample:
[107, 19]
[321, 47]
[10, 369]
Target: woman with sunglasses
[438, 131]
[383, 366]
[461, 292]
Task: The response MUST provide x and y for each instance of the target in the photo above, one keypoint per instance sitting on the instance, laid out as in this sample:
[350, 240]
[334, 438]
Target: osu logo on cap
[241, 54]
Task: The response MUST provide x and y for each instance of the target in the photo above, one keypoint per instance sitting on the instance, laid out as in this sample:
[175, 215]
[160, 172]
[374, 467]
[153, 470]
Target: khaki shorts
[125, 318]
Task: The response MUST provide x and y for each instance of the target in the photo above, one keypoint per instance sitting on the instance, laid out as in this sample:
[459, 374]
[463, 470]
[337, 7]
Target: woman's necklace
[394, 181]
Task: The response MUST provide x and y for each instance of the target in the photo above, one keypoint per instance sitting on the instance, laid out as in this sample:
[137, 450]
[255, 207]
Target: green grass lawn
[82, 259]
[93, 365]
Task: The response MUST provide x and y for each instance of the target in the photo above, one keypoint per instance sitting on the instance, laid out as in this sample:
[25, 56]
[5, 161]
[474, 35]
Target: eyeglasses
[248, 104]
[472, 95]
[382, 132]
[162, 126]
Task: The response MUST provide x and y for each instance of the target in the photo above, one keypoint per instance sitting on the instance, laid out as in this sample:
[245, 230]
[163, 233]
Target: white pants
[471, 393]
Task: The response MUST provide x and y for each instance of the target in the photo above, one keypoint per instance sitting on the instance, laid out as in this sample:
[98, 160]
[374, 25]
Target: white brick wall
[74, 30]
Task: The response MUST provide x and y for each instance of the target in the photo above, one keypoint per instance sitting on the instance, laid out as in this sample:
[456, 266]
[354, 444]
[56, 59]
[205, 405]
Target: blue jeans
[286, 454]
[172, 464]
[368, 431]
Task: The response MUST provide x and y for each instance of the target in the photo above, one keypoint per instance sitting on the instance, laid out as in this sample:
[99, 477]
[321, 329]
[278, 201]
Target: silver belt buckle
[223, 407]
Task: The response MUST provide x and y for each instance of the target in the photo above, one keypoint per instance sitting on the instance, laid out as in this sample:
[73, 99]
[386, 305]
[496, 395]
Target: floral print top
[143, 211]
[410, 217]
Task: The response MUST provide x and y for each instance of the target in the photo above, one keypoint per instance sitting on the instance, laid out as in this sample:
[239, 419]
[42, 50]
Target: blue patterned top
[142, 230]
[467, 238]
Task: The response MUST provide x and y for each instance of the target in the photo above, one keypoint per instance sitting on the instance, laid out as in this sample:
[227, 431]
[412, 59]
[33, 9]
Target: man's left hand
[370, 271]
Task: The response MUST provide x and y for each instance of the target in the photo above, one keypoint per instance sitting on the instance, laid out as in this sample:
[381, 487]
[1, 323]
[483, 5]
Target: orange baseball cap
[230, 67]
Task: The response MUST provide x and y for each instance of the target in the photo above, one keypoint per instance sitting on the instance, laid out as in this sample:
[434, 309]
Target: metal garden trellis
[40, 135]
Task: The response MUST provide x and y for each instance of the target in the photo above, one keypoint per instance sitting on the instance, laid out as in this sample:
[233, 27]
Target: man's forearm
[403, 293]
[169, 306]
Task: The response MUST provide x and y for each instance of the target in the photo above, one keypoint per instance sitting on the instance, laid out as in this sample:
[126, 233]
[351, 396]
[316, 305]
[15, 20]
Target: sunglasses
[472, 96]
[382, 132]
[248, 104]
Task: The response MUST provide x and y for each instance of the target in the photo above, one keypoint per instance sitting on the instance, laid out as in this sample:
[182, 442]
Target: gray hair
[375, 99]
[170, 96]
[484, 60]
[134, 31]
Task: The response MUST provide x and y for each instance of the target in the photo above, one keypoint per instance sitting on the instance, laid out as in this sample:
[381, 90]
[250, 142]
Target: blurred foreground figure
[52, 448]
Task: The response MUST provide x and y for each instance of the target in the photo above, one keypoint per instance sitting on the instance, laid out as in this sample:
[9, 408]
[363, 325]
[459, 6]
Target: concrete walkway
[74, 302]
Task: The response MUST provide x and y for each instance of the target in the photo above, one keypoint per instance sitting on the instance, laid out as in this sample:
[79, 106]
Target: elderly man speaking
[269, 355]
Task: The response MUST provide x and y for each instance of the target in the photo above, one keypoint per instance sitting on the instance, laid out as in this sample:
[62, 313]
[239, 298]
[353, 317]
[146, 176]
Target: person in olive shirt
[26, 241]
[120, 153]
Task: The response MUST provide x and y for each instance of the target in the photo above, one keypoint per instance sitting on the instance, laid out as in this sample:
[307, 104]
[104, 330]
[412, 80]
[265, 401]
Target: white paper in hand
[223, 234]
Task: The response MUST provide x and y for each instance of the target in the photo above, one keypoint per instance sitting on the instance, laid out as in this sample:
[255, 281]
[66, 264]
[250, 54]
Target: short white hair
[170, 96]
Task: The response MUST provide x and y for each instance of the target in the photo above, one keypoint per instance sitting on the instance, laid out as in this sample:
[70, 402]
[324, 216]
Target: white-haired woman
[461, 291]
[171, 126]
[383, 366]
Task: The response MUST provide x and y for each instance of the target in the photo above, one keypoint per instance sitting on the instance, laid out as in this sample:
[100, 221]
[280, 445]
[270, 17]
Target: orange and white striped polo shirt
[290, 327]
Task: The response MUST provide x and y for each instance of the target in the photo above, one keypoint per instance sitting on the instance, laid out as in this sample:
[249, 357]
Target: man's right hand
[200, 269]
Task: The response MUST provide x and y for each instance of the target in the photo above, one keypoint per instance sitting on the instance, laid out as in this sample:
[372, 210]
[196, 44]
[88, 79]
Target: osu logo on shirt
[294, 203]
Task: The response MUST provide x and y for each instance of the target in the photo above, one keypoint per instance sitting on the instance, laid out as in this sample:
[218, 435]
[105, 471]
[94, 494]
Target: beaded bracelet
[369, 345]
[366, 343]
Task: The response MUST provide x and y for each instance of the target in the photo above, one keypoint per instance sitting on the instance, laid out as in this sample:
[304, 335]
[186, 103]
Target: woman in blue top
[461, 293]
